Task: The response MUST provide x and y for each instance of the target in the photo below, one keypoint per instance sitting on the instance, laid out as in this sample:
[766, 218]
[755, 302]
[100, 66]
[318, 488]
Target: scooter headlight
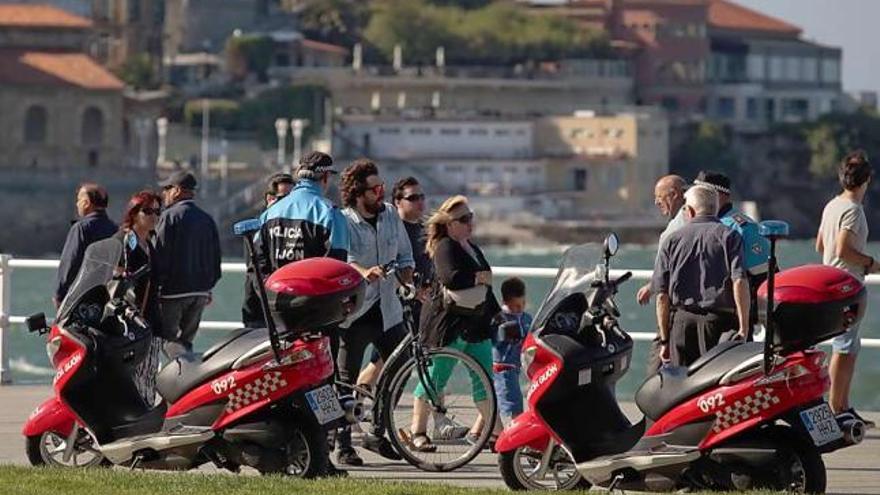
[527, 358]
[52, 348]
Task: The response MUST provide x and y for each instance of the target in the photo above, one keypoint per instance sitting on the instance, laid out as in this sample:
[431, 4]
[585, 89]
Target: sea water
[32, 289]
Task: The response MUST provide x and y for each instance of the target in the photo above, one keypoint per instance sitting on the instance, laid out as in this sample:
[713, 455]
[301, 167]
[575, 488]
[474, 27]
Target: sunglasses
[151, 211]
[465, 219]
[412, 198]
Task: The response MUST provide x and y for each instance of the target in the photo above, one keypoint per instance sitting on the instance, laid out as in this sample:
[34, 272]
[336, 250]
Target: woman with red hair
[136, 234]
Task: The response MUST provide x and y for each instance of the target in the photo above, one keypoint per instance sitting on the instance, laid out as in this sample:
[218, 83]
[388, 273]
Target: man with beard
[378, 237]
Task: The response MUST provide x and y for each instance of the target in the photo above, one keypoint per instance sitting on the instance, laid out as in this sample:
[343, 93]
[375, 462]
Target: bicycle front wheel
[447, 396]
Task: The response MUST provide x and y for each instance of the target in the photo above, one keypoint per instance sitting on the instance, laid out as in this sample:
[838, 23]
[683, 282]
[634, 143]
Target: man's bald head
[669, 194]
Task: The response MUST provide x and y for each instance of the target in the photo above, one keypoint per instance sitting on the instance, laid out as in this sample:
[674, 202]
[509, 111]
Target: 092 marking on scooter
[710, 402]
[223, 385]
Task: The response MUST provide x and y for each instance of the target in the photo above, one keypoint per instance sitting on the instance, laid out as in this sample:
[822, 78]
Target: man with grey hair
[699, 273]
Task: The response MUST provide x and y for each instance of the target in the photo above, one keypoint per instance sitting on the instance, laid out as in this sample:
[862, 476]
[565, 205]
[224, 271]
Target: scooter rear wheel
[47, 449]
[306, 452]
[520, 469]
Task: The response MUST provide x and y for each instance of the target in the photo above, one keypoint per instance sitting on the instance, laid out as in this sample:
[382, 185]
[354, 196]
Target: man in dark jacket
[93, 226]
[188, 251]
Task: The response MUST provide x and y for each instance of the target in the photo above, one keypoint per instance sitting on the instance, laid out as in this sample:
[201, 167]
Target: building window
[755, 67]
[809, 69]
[534, 170]
[831, 71]
[450, 132]
[580, 179]
[669, 103]
[520, 132]
[795, 108]
[502, 132]
[422, 131]
[752, 109]
[577, 133]
[777, 69]
[726, 108]
[478, 132]
[92, 131]
[35, 121]
[389, 130]
[792, 68]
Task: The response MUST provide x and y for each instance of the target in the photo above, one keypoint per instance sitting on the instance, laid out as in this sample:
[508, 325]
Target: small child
[507, 346]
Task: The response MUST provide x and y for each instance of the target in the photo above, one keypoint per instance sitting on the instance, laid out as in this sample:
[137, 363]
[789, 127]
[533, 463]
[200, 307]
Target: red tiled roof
[40, 68]
[22, 15]
[728, 15]
[326, 47]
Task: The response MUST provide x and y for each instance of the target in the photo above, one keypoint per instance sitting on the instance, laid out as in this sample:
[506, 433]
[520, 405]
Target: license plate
[325, 404]
[821, 425]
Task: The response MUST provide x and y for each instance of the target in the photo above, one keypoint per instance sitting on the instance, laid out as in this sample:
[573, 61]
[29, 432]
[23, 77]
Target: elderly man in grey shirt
[699, 273]
[377, 237]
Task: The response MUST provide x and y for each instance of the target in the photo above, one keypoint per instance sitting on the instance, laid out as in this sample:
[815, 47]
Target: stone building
[60, 107]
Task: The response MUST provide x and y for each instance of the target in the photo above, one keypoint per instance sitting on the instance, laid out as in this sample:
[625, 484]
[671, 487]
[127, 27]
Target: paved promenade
[855, 470]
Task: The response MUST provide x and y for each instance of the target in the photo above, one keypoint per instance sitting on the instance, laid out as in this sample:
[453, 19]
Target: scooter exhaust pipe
[354, 409]
[853, 430]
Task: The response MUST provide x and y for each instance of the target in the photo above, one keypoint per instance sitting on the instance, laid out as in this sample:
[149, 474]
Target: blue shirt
[375, 246]
[756, 248]
[508, 351]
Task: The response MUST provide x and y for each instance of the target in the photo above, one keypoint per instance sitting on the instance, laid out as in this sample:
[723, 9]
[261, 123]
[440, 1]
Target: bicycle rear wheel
[448, 381]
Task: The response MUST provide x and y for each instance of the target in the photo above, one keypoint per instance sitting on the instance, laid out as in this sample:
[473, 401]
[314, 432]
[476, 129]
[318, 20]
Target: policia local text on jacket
[302, 225]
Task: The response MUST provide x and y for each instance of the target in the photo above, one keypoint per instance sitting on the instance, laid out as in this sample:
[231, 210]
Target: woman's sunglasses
[151, 211]
[465, 219]
[412, 198]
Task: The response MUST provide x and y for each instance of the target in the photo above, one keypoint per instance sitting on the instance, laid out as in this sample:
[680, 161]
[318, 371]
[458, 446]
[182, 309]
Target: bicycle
[407, 368]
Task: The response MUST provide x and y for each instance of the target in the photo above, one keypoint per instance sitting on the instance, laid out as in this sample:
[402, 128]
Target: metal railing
[8, 263]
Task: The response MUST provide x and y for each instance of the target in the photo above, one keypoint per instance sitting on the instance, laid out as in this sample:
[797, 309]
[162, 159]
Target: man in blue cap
[756, 248]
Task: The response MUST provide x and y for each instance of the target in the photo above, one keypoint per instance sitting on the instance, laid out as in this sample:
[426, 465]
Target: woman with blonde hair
[459, 265]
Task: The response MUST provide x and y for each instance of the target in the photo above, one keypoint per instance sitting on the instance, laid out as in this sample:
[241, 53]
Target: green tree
[138, 72]
[340, 22]
[304, 102]
[824, 152]
[707, 147]
[249, 54]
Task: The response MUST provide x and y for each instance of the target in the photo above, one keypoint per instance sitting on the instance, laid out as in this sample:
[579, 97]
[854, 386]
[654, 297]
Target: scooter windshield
[99, 263]
[576, 272]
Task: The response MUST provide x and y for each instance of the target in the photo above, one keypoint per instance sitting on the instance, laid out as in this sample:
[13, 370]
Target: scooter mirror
[612, 244]
[36, 322]
[245, 227]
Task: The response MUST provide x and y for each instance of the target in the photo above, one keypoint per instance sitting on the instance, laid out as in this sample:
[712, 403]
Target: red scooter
[260, 397]
[746, 415]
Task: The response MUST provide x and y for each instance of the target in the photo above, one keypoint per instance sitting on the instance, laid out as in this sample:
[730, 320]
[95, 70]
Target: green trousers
[441, 368]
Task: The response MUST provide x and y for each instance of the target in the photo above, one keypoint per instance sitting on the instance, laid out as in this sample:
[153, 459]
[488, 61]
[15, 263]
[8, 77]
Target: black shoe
[381, 446]
[334, 471]
[868, 423]
[349, 457]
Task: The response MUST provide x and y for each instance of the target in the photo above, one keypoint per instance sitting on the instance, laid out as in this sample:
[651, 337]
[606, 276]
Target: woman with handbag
[136, 234]
[459, 312]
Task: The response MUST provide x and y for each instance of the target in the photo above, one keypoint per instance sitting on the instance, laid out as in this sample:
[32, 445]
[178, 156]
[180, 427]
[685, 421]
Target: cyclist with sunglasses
[377, 236]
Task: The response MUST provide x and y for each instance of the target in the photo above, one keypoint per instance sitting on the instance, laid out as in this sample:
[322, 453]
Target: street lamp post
[281, 132]
[206, 125]
[162, 131]
[296, 127]
[142, 127]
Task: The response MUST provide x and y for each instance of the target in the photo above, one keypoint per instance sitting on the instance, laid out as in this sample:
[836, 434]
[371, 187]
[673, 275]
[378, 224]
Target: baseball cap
[182, 179]
[716, 180]
[318, 162]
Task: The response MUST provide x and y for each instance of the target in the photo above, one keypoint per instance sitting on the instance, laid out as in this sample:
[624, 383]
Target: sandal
[419, 442]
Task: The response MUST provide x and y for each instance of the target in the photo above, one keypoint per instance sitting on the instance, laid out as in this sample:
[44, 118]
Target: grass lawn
[16, 480]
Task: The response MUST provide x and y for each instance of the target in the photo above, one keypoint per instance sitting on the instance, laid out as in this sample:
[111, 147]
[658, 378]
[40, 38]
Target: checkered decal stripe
[744, 409]
[254, 391]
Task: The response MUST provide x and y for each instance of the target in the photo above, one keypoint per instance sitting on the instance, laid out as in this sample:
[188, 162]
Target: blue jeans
[510, 399]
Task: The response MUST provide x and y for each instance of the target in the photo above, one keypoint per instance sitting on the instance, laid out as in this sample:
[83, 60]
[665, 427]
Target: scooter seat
[671, 386]
[190, 370]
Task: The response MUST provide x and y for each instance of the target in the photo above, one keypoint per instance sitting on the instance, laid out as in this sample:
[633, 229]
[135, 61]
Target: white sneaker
[447, 429]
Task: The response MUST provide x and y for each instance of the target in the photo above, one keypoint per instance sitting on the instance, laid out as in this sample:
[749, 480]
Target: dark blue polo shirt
[697, 264]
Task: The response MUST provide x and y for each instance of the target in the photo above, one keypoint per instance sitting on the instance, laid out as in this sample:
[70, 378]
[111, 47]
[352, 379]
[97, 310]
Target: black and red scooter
[260, 397]
[746, 415]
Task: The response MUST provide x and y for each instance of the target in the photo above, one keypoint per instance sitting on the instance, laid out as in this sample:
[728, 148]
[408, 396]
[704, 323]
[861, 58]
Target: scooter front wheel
[51, 449]
[527, 469]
